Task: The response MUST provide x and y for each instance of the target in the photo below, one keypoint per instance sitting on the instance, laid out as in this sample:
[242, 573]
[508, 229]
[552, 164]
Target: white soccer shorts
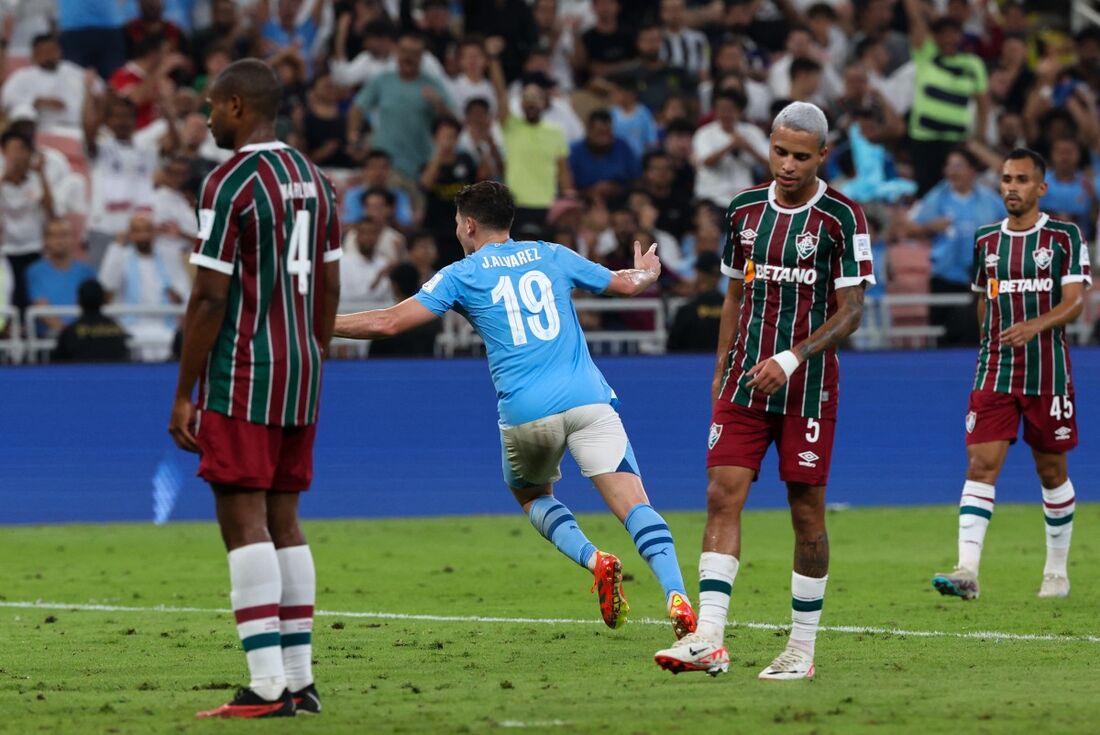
[594, 434]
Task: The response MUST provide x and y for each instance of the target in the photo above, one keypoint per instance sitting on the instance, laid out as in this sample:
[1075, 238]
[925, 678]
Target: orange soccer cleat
[608, 584]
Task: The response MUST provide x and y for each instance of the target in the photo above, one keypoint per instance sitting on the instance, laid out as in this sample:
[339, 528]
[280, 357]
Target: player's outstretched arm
[769, 375]
[632, 281]
[1067, 311]
[383, 323]
[201, 324]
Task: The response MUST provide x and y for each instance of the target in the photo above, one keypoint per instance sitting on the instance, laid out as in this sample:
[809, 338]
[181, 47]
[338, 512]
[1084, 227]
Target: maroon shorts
[243, 454]
[1050, 422]
[740, 436]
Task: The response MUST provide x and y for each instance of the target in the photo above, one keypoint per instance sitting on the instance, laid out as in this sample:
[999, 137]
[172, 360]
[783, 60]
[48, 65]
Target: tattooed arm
[769, 375]
[727, 331]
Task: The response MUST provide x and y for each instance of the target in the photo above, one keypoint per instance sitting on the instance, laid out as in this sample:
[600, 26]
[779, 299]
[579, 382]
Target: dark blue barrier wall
[419, 437]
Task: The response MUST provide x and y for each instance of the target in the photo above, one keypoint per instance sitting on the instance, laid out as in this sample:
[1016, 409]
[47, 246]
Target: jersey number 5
[297, 257]
[542, 303]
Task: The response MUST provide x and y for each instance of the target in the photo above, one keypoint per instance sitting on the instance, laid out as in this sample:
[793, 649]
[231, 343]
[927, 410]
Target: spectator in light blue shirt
[376, 174]
[631, 121]
[285, 31]
[91, 33]
[54, 279]
[602, 164]
[1070, 194]
[950, 213]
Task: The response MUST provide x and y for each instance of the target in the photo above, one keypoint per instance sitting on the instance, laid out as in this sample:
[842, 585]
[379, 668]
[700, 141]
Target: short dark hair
[679, 125]
[446, 121]
[10, 135]
[90, 296]
[599, 115]
[380, 29]
[391, 200]
[648, 156]
[476, 102]
[945, 23]
[414, 35]
[866, 44]
[489, 203]
[971, 160]
[1019, 154]
[255, 82]
[43, 38]
[804, 66]
[406, 279]
[148, 45]
[821, 9]
[377, 153]
[736, 96]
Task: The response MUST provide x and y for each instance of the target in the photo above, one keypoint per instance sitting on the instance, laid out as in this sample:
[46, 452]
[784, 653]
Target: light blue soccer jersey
[518, 297]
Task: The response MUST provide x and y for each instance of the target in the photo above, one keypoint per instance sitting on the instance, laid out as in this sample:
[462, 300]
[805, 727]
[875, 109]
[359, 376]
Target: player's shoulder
[227, 177]
[988, 229]
[752, 195]
[1064, 227]
[833, 196]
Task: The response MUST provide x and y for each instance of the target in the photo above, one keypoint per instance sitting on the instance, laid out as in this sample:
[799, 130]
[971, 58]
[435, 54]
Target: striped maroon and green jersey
[1022, 274]
[267, 218]
[792, 262]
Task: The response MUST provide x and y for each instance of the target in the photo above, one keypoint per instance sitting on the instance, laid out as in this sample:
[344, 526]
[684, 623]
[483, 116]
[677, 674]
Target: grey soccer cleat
[960, 583]
[1054, 585]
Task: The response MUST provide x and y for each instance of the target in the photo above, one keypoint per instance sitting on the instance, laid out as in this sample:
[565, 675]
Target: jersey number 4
[297, 257]
[535, 304]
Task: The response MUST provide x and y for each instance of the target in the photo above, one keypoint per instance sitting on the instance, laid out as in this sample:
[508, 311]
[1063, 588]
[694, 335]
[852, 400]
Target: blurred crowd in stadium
[611, 121]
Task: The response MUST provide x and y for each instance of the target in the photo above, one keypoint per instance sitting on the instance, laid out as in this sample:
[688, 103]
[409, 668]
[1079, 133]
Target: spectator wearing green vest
[947, 82]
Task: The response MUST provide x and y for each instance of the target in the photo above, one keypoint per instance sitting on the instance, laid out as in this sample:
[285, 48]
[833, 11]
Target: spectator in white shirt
[25, 206]
[69, 189]
[379, 54]
[174, 211]
[122, 173]
[135, 274]
[55, 87]
[725, 151]
[471, 81]
[364, 270]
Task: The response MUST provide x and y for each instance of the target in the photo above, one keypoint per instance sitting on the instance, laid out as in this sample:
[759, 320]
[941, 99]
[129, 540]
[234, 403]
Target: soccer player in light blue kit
[550, 394]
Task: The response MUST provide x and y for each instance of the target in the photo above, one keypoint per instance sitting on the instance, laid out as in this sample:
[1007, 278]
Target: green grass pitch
[77, 671]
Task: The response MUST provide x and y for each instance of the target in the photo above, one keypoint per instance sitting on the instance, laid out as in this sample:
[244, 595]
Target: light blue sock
[558, 526]
[654, 542]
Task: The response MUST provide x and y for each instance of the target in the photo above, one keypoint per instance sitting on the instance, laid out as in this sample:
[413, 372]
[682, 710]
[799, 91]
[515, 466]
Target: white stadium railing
[21, 342]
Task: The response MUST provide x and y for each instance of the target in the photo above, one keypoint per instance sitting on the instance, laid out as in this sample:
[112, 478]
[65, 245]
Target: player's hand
[716, 384]
[1019, 334]
[766, 376]
[182, 425]
[647, 261]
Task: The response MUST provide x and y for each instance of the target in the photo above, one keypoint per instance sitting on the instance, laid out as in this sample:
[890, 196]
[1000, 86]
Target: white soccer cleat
[1054, 585]
[693, 652]
[791, 664]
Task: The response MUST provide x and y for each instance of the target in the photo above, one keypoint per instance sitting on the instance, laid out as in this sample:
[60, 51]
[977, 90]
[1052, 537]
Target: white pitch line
[852, 629]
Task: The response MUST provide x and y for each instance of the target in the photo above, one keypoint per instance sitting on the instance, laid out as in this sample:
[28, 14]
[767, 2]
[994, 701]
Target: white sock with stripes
[716, 575]
[1058, 506]
[256, 588]
[807, 599]
[296, 614]
[975, 511]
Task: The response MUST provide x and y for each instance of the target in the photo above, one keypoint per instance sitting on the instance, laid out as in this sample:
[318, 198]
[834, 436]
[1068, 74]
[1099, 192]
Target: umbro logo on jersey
[992, 260]
[971, 422]
[1042, 257]
[805, 244]
[748, 237]
[996, 288]
[1062, 434]
[809, 459]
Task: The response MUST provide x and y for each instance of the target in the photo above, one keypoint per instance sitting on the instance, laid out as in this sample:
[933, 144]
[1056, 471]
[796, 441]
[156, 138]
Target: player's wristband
[788, 361]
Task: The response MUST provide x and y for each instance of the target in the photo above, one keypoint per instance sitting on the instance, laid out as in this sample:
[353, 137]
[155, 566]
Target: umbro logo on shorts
[809, 459]
[1062, 434]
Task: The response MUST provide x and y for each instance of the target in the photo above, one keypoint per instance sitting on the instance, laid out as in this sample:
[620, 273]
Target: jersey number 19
[543, 303]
